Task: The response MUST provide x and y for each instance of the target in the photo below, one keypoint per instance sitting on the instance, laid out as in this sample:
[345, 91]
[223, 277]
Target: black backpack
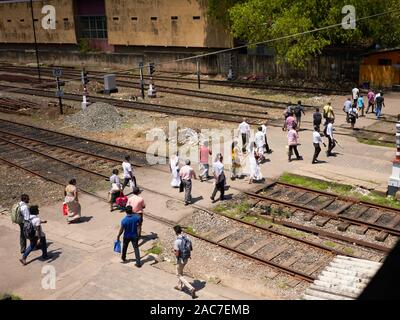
[29, 229]
[185, 248]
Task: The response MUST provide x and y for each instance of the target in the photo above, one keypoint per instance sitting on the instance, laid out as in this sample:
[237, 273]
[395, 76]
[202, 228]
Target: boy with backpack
[20, 213]
[33, 231]
[182, 250]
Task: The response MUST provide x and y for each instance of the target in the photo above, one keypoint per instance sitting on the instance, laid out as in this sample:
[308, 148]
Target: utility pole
[36, 47]
[394, 180]
[85, 81]
[141, 78]
[198, 73]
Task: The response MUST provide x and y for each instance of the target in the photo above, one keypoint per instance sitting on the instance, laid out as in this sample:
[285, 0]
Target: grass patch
[220, 208]
[376, 143]
[155, 249]
[339, 189]
[190, 230]
[348, 250]
[9, 296]
[330, 244]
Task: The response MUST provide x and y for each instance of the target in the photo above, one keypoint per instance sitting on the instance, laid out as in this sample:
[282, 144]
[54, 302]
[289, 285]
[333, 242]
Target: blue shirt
[360, 102]
[130, 224]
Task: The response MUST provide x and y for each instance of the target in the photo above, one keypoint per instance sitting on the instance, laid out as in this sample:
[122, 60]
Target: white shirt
[347, 105]
[126, 166]
[259, 139]
[355, 93]
[218, 168]
[264, 129]
[329, 130]
[244, 127]
[316, 137]
[376, 96]
[24, 210]
[35, 221]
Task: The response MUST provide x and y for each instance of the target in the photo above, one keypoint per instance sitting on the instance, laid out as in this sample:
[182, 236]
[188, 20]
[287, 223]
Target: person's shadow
[146, 238]
[84, 219]
[52, 256]
[197, 199]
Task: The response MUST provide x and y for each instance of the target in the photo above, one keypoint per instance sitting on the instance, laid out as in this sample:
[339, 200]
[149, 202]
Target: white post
[394, 180]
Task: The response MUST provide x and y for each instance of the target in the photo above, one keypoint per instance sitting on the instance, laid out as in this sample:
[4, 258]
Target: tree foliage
[261, 20]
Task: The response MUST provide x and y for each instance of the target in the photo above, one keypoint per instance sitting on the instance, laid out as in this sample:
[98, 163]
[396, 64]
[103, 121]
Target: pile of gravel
[98, 116]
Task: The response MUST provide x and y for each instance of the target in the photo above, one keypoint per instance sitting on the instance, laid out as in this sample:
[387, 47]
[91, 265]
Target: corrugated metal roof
[343, 279]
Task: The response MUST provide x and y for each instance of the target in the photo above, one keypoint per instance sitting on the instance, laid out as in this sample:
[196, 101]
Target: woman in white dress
[174, 167]
[255, 173]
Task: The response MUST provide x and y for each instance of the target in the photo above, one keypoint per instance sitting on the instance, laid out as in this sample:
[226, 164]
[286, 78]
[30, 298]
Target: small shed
[381, 68]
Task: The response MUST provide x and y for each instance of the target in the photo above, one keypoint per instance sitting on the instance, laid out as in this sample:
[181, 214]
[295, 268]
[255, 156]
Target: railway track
[292, 256]
[224, 83]
[17, 106]
[134, 105]
[321, 213]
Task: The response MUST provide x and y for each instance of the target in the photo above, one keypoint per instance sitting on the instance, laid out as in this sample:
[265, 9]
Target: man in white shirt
[264, 130]
[346, 107]
[259, 139]
[329, 134]
[355, 92]
[24, 211]
[39, 234]
[187, 173]
[244, 131]
[316, 141]
[220, 179]
[128, 173]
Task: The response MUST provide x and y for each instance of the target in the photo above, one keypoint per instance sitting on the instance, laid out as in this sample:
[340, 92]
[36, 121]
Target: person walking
[355, 92]
[298, 110]
[174, 168]
[346, 107]
[293, 138]
[329, 115]
[236, 162]
[360, 106]
[115, 190]
[264, 130]
[72, 201]
[352, 115]
[317, 119]
[291, 121]
[130, 227]
[329, 134]
[255, 172]
[22, 213]
[316, 142]
[182, 250]
[219, 176]
[204, 153]
[187, 173]
[260, 144]
[380, 102]
[129, 177]
[371, 100]
[244, 131]
[34, 233]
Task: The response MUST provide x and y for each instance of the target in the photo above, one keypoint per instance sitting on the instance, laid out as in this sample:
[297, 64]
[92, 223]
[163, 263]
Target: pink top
[204, 153]
[371, 96]
[292, 137]
[289, 122]
[137, 203]
[186, 173]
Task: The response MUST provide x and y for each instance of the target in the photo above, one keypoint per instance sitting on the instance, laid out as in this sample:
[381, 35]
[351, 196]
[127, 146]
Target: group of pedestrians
[375, 100]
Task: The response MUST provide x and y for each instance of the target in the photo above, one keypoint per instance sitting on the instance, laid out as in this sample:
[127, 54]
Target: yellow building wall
[129, 23]
[379, 76]
[16, 22]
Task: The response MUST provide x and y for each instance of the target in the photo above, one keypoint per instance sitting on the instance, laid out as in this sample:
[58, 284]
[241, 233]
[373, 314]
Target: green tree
[262, 20]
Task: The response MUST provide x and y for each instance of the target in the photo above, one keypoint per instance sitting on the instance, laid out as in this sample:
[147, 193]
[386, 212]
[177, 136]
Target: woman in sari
[255, 173]
[174, 168]
[71, 199]
[236, 162]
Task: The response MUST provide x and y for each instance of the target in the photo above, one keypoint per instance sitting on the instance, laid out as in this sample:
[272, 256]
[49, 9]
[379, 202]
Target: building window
[65, 19]
[8, 20]
[385, 62]
[134, 18]
[153, 18]
[196, 18]
[35, 20]
[115, 18]
[174, 18]
[22, 20]
[92, 27]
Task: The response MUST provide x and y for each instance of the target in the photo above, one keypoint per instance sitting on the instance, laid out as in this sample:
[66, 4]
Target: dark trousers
[187, 185]
[244, 142]
[126, 181]
[220, 186]
[135, 245]
[32, 245]
[331, 145]
[371, 104]
[318, 125]
[291, 149]
[22, 239]
[267, 149]
[317, 150]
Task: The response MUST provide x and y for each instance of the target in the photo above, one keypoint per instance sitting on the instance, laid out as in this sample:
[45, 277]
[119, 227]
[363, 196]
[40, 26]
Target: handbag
[65, 209]
[181, 187]
[117, 246]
